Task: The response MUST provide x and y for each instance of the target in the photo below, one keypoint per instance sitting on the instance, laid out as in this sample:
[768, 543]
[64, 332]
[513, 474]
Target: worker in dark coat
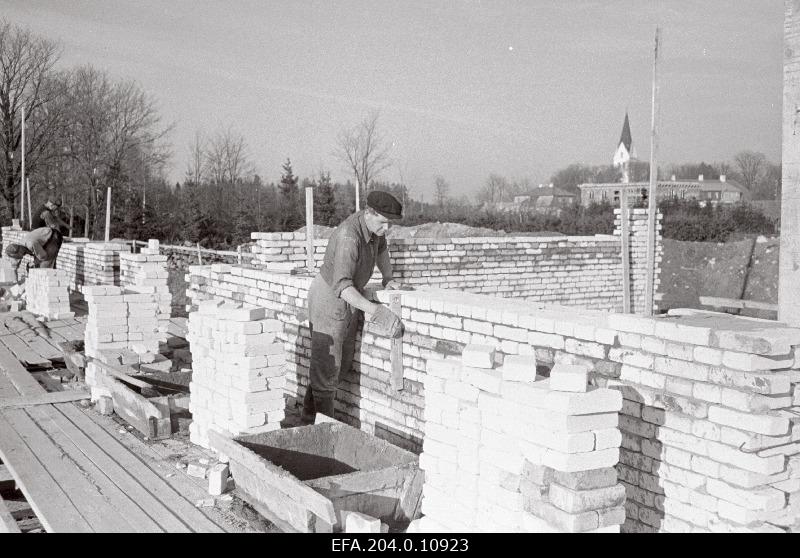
[336, 300]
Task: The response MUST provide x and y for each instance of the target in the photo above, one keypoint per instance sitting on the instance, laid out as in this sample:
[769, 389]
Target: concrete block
[519, 368]
[478, 356]
[105, 405]
[217, 479]
[569, 377]
[578, 501]
[771, 425]
[355, 522]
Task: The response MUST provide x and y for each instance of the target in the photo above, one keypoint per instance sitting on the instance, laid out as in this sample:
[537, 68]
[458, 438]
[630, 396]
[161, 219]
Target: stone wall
[574, 270]
[709, 433]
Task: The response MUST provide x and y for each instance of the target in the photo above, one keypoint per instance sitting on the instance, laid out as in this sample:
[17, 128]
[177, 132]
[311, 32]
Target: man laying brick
[42, 243]
[336, 299]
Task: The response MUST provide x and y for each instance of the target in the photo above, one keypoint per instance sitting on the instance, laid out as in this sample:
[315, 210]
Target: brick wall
[582, 271]
[701, 391]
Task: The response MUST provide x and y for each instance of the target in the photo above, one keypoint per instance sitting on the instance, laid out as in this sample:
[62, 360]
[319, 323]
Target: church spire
[625, 139]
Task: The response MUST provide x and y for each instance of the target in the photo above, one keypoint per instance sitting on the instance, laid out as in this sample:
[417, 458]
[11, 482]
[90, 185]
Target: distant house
[720, 191]
[544, 199]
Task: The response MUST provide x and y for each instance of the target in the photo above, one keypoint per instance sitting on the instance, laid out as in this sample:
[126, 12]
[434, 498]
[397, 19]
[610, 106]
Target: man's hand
[387, 322]
[394, 285]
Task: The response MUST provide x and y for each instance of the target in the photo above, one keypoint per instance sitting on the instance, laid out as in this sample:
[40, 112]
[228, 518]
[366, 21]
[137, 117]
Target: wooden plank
[721, 302]
[137, 411]
[275, 476]
[16, 373]
[23, 353]
[54, 424]
[53, 507]
[106, 458]
[160, 457]
[7, 523]
[120, 374]
[396, 354]
[653, 191]
[184, 509]
[43, 399]
[92, 504]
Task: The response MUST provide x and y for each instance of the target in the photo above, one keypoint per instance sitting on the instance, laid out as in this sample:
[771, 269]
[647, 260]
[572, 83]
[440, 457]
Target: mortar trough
[302, 478]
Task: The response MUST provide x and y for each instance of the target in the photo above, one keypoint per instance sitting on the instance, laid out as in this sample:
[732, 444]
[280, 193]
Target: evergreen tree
[324, 201]
[288, 199]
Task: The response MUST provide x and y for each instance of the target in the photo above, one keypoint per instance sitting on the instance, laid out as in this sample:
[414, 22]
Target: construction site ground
[33, 371]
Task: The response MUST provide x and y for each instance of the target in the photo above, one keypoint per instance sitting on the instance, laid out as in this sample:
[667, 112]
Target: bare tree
[27, 80]
[363, 150]
[752, 166]
[110, 124]
[195, 171]
[494, 190]
[226, 159]
[442, 189]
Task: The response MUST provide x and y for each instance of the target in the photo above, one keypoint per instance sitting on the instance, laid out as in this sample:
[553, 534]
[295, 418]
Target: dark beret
[385, 204]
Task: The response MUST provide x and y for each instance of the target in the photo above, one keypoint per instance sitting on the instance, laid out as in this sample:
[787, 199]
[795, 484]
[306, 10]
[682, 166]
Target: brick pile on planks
[121, 328]
[238, 371]
[47, 293]
[147, 272]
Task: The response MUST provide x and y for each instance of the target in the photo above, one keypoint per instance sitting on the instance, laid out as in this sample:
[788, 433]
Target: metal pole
[651, 206]
[310, 228]
[108, 214]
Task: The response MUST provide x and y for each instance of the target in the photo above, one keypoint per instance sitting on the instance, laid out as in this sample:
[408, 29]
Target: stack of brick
[238, 371]
[91, 263]
[47, 293]
[711, 440]
[147, 271]
[284, 248]
[637, 247]
[122, 328]
[505, 451]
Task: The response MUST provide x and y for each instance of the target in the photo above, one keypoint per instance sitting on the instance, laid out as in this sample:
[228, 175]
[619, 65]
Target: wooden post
[86, 223]
[22, 179]
[626, 254]
[652, 196]
[239, 254]
[199, 255]
[358, 195]
[396, 353]
[71, 218]
[310, 229]
[108, 214]
[789, 261]
[28, 201]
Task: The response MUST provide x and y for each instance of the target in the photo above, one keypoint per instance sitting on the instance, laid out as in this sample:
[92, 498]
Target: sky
[464, 88]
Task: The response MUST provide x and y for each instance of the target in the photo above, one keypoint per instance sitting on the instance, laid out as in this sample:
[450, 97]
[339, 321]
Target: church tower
[624, 152]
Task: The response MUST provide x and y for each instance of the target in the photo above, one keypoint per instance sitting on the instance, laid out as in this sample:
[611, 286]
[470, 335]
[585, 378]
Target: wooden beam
[24, 383]
[396, 355]
[6, 479]
[720, 302]
[43, 399]
[310, 265]
[7, 522]
[626, 250]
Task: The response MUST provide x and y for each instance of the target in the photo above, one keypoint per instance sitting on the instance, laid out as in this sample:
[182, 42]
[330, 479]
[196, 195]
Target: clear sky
[465, 88]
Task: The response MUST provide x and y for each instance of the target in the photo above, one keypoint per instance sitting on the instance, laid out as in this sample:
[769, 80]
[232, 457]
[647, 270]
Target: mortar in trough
[302, 478]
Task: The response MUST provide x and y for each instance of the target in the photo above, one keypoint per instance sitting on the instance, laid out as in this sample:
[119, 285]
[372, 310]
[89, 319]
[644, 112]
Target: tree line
[86, 130]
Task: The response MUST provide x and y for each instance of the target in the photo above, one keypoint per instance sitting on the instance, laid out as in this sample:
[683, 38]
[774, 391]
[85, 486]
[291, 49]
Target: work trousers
[334, 325]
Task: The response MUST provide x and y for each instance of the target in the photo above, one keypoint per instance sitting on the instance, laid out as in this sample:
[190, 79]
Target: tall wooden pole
[358, 194]
[22, 181]
[310, 228]
[652, 196]
[789, 261]
[28, 201]
[108, 214]
[625, 246]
